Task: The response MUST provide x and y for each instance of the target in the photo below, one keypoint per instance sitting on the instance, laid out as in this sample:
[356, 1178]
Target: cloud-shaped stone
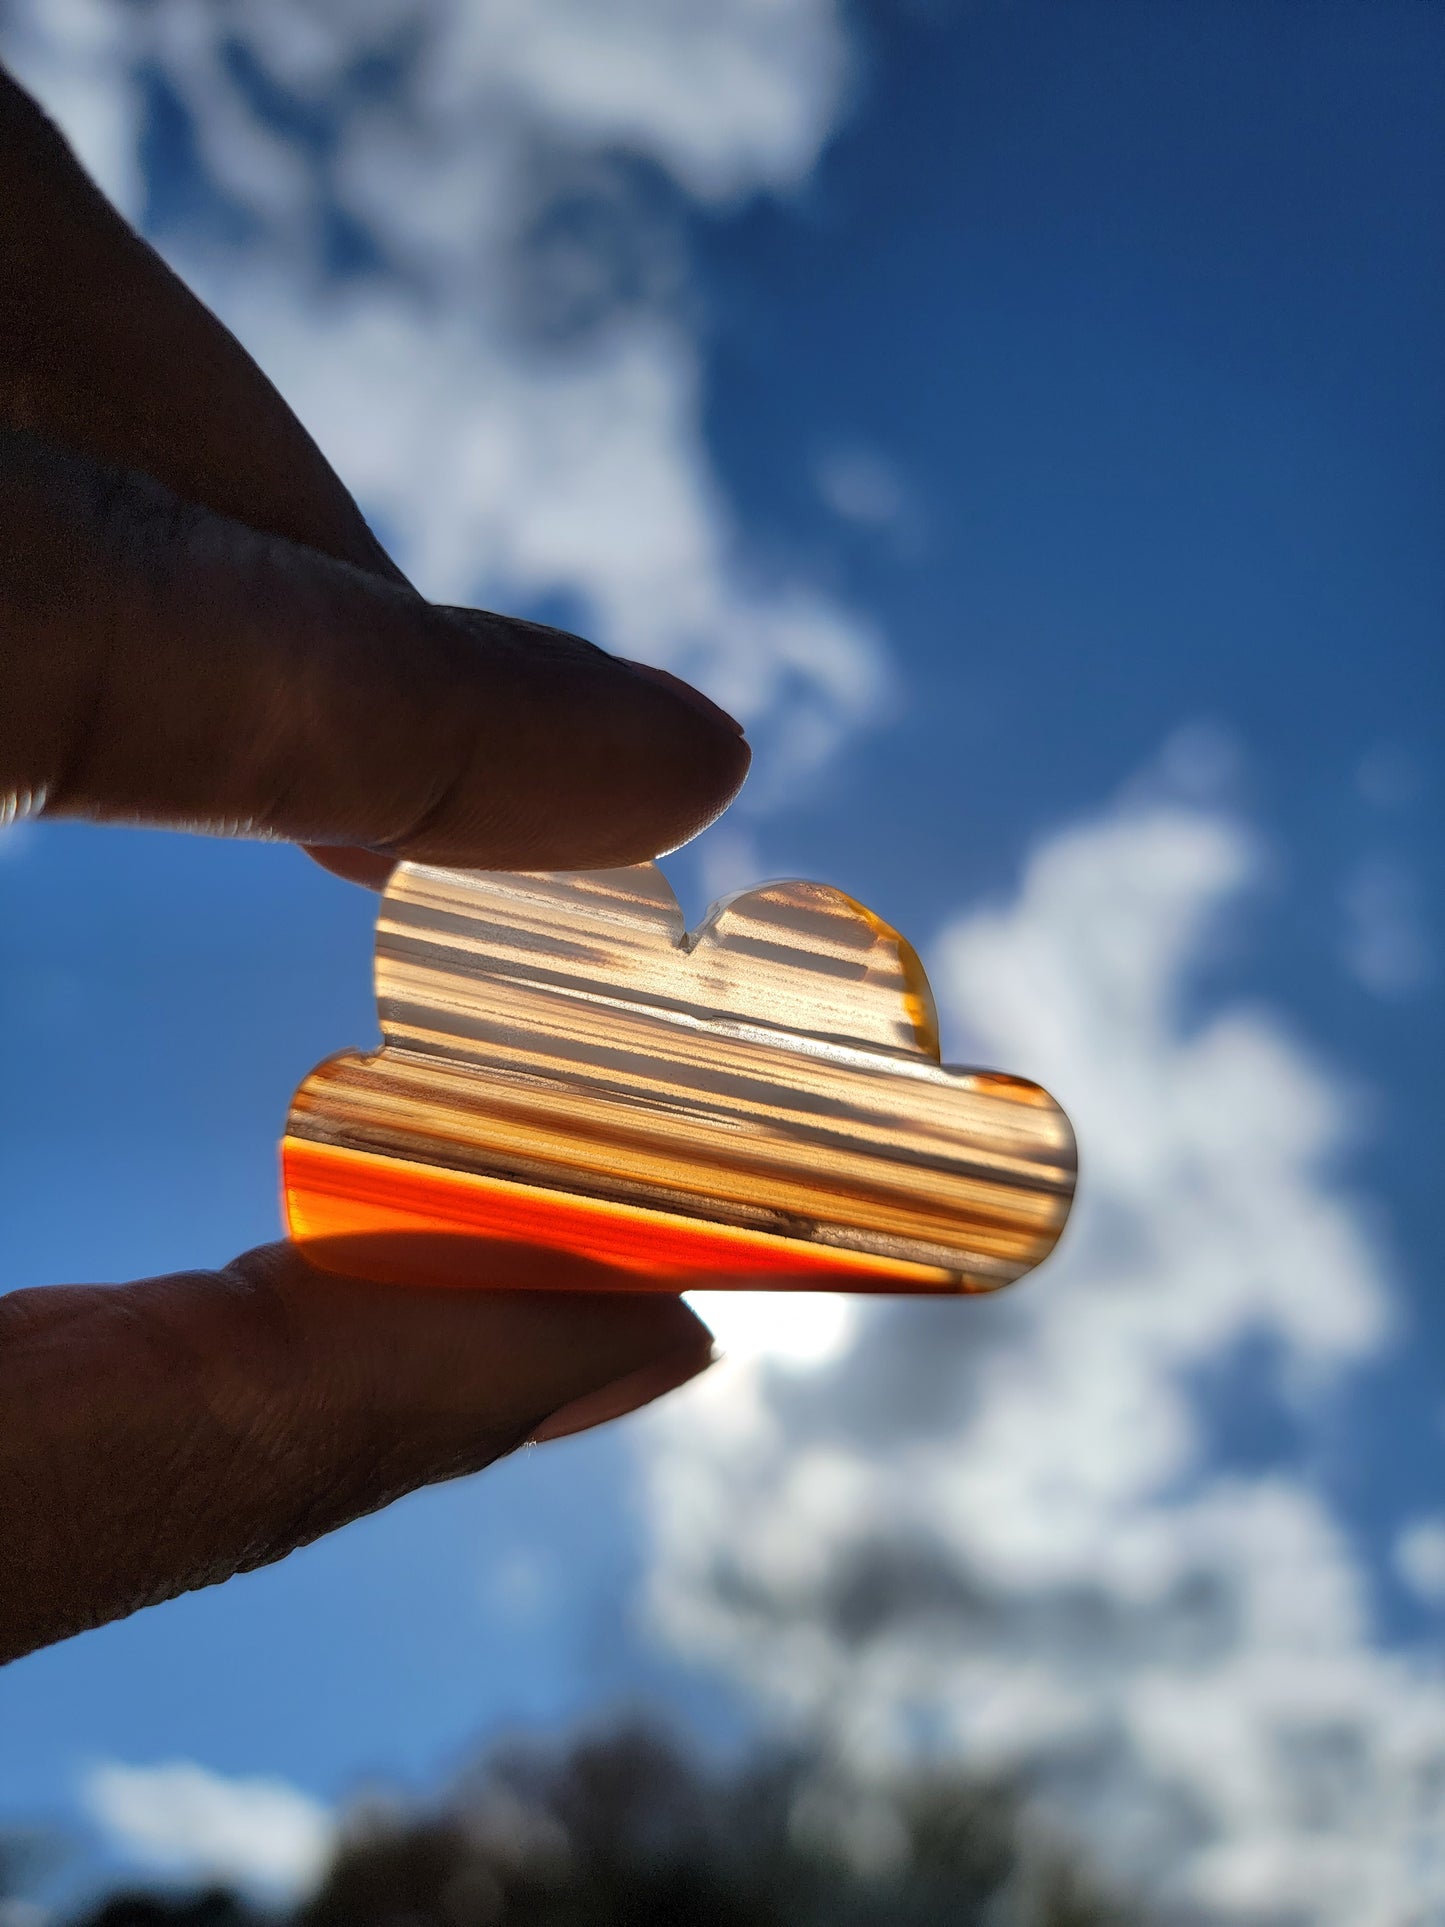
[760, 1102]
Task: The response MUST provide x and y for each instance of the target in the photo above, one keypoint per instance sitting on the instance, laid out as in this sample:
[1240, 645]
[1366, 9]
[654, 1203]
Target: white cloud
[510, 383]
[998, 1529]
[728, 96]
[1420, 1559]
[180, 1818]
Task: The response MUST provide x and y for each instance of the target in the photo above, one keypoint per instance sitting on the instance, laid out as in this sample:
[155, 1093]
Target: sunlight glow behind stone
[800, 1328]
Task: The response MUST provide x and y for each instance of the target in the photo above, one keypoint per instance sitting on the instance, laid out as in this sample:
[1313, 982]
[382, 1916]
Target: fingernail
[626, 1394]
[356, 865]
[685, 692]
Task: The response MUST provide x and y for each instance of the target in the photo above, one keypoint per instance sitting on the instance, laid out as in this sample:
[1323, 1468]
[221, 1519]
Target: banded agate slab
[758, 1103]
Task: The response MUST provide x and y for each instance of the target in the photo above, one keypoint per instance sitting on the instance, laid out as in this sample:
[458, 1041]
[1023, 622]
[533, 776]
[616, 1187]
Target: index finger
[166, 665]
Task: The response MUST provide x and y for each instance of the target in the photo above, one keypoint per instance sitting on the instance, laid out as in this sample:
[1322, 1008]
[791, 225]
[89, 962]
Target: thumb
[167, 665]
[164, 1435]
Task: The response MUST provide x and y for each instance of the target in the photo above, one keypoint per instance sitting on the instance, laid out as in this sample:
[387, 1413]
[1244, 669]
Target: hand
[198, 630]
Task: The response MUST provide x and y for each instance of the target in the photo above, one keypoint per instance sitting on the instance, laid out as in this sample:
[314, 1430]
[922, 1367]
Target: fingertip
[577, 761]
[628, 1394]
[696, 776]
[679, 764]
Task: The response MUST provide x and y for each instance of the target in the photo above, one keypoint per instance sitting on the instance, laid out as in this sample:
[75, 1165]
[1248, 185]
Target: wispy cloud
[1420, 1558]
[1385, 944]
[862, 486]
[868, 490]
[263, 1834]
[999, 1530]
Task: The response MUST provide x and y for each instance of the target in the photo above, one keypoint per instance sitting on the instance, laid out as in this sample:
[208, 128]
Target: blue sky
[1062, 395]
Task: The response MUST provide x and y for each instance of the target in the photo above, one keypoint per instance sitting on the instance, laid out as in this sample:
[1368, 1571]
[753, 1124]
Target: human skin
[199, 631]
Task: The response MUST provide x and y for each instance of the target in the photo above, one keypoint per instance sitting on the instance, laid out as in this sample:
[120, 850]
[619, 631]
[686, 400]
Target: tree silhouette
[630, 1830]
[215, 1908]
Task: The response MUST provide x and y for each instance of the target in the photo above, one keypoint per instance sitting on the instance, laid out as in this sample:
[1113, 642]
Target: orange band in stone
[416, 1224]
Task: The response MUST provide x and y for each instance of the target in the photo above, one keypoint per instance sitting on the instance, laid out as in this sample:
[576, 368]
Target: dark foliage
[211, 1909]
[628, 1831]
